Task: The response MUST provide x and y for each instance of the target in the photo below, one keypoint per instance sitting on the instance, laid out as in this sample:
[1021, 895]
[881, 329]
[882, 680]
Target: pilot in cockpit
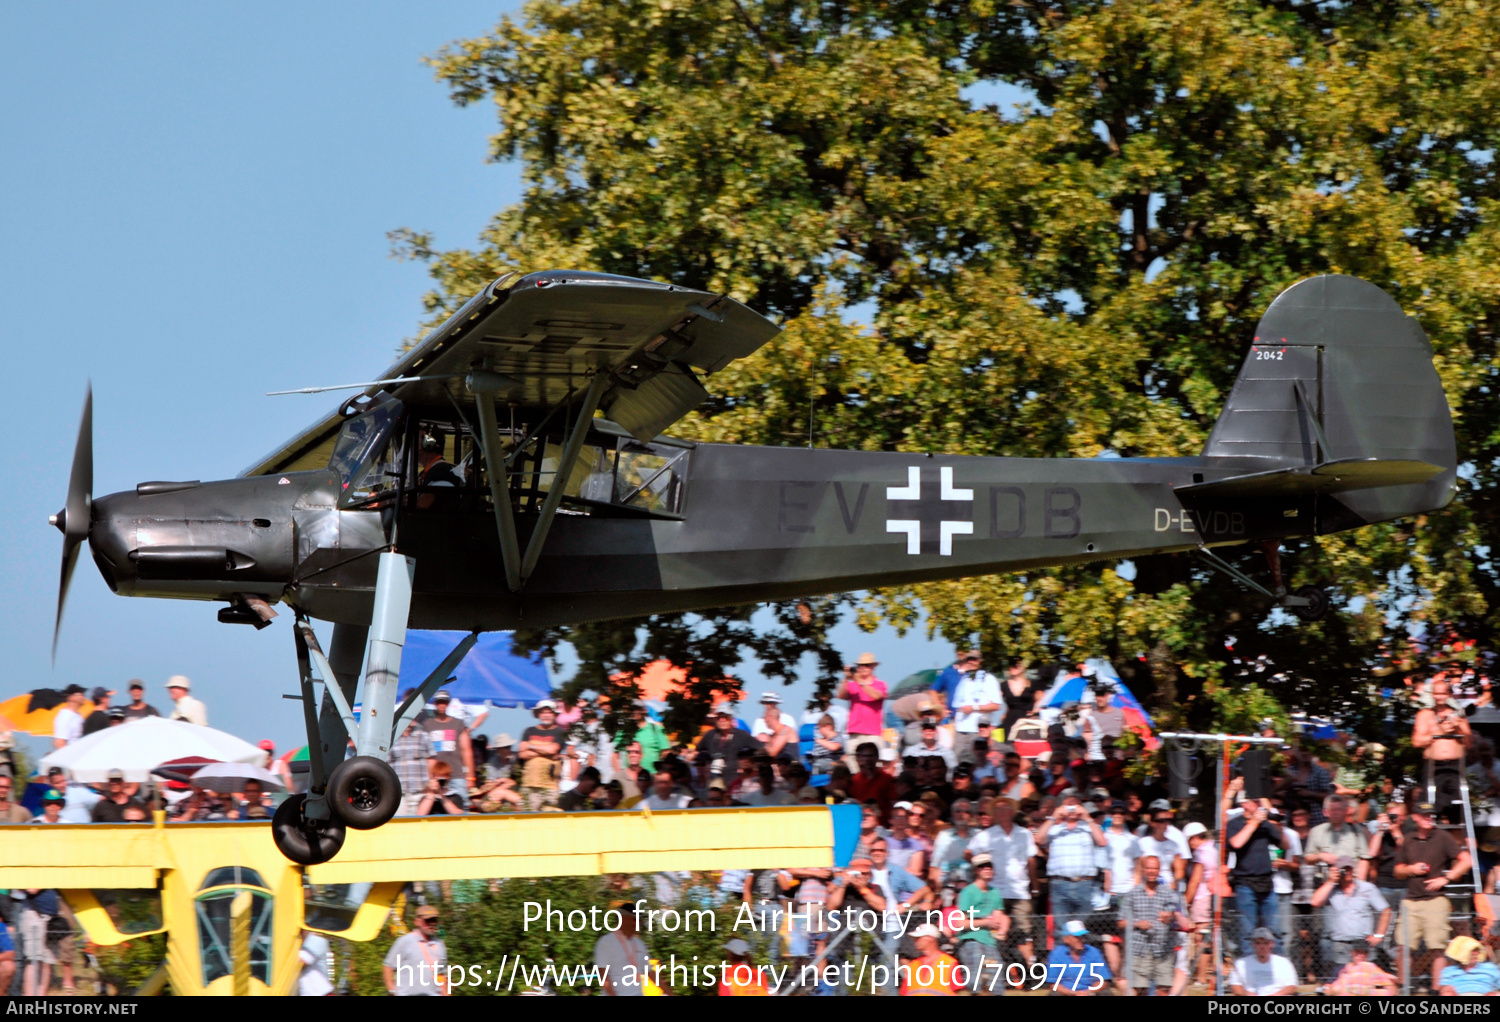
[439, 482]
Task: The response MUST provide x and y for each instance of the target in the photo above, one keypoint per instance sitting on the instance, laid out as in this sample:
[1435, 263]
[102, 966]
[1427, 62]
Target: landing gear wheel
[1317, 605]
[306, 842]
[364, 792]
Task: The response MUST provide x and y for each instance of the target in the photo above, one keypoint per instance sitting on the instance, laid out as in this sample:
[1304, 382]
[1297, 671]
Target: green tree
[1074, 276]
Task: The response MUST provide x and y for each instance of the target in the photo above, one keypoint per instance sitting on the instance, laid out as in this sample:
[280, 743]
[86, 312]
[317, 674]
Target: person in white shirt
[313, 980]
[771, 729]
[975, 697]
[621, 956]
[1173, 834]
[1157, 843]
[185, 706]
[597, 748]
[67, 723]
[1123, 849]
[930, 746]
[662, 796]
[1263, 974]
[1013, 850]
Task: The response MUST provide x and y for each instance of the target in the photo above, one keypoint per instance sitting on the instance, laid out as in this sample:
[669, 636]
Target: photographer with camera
[1072, 842]
[1440, 733]
[1250, 836]
[1354, 913]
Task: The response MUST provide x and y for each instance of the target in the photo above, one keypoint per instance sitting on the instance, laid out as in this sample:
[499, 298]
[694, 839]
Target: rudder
[1338, 371]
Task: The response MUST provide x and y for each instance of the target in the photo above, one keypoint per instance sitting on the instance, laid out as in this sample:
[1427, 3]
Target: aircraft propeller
[75, 517]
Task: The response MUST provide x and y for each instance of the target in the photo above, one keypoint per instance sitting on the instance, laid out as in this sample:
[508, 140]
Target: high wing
[546, 332]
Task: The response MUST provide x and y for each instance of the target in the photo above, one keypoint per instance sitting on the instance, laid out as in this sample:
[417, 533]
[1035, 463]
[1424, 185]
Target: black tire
[364, 792]
[1318, 603]
[306, 842]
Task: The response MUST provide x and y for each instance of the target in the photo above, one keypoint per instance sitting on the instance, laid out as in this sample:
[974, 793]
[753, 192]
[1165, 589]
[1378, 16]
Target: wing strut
[564, 470]
[484, 389]
[414, 703]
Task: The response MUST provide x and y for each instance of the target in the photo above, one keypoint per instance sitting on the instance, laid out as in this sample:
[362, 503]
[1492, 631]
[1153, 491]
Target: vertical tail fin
[1339, 372]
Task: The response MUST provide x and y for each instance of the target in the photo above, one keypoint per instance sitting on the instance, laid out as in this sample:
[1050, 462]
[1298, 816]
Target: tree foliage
[1078, 275]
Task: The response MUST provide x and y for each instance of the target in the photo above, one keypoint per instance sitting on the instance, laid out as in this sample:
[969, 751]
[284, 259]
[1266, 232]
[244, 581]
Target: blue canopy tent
[491, 672]
[1073, 688]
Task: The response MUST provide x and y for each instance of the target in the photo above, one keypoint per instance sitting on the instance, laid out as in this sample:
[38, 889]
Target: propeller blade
[69, 561]
[81, 482]
[78, 511]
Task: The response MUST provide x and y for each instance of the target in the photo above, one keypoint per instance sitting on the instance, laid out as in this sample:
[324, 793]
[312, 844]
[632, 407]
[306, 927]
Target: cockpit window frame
[364, 444]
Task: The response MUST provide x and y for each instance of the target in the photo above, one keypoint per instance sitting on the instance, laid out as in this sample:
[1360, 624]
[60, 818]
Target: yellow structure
[202, 870]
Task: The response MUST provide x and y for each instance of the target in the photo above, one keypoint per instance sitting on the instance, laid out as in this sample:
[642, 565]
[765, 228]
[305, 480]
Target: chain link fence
[1163, 960]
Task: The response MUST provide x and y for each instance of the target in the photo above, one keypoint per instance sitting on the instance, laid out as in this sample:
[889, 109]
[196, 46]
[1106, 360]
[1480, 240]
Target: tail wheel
[1317, 603]
[364, 792]
[306, 842]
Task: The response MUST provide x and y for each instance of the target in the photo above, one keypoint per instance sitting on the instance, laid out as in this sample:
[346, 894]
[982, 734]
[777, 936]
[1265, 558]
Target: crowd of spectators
[1020, 837]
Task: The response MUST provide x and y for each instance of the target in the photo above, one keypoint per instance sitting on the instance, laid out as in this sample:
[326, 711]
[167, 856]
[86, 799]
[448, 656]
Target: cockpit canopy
[375, 457]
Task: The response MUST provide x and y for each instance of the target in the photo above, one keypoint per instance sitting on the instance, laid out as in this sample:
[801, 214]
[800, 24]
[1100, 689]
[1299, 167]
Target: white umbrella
[230, 777]
[137, 746]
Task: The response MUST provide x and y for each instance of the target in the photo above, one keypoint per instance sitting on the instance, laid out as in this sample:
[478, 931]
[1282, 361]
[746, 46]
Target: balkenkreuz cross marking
[931, 524]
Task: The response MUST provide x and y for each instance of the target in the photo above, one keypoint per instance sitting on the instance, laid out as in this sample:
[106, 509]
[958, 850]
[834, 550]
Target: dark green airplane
[388, 513]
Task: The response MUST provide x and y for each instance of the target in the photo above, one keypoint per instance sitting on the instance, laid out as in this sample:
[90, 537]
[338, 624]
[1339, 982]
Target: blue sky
[193, 207]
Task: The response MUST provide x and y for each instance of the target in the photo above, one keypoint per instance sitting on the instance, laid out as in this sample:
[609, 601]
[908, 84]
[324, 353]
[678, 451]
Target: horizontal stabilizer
[1329, 477]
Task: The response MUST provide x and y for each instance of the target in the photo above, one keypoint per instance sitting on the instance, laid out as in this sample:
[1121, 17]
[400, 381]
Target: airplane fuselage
[755, 524]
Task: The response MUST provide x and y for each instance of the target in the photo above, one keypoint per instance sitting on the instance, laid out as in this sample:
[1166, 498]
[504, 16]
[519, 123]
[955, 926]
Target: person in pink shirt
[866, 694]
[1203, 877]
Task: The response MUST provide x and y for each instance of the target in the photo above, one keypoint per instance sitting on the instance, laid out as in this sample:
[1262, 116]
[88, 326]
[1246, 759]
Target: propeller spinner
[74, 519]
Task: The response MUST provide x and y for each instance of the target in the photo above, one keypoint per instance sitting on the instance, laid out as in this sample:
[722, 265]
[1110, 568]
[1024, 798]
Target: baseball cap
[718, 784]
[1262, 933]
[903, 804]
[180, 681]
[927, 930]
[1159, 804]
[136, 683]
[982, 859]
[1344, 862]
[116, 714]
[115, 775]
[1075, 928]
[768, 697]
[53, 795]
[54, 771]
[1194, 829]
[737, 946]
[808, 791]
[545, 704]
[100, 692]
[267, 745]
[1424, 808]
[443, 696]
[427, 912]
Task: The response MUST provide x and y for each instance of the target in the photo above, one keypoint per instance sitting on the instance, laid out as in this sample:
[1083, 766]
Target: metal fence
[52, 958]
[874, 957]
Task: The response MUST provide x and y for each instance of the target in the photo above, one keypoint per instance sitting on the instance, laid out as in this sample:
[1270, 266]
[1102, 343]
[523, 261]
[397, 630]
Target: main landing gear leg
[1310, 603]
[365, 790]
[362, 792]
